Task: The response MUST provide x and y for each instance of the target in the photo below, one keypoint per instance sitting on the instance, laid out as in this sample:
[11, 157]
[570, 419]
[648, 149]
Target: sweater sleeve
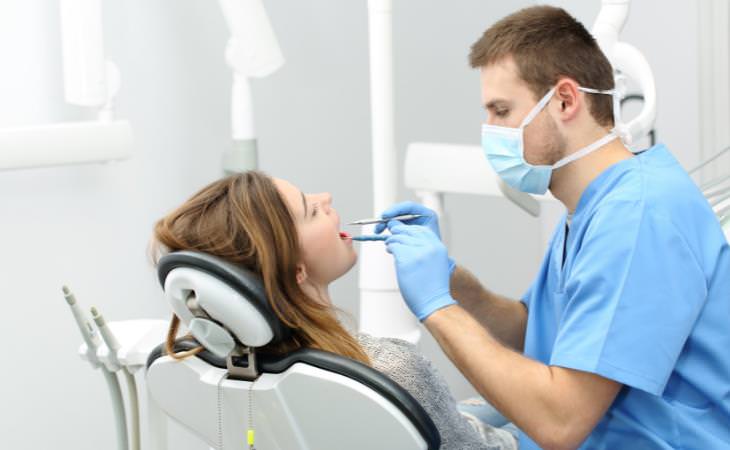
[403, 363]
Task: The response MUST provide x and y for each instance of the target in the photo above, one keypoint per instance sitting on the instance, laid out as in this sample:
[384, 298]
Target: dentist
[622, 340]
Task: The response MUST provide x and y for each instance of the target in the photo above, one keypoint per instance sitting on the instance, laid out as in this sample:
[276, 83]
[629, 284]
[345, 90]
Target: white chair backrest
[303, 408]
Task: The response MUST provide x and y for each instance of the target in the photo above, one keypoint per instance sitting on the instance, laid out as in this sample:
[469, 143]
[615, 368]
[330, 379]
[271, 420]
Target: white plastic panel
[303, 408]
[385, 314]
[453, 168]
[64, 143]
[460, 169]
[137, 339]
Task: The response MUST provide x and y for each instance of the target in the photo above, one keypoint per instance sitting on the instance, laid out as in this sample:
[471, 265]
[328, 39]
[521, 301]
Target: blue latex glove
[430, 220]
[422, 268]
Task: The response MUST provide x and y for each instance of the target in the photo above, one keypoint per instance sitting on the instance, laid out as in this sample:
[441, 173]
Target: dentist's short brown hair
[546, 43]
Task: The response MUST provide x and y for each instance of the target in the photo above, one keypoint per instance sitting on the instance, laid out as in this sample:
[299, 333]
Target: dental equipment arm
[382, 312]
[115, 365]
[90, 81]
[252, 52]
[90, 354]
[626, 60]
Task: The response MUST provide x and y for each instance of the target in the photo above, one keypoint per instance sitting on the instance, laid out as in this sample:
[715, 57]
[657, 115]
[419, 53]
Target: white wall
[87, 226]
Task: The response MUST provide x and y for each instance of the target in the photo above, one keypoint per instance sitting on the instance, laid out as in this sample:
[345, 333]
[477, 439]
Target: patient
[293, 241]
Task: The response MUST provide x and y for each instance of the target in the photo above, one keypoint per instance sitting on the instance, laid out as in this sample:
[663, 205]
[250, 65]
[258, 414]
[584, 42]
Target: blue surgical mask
[504, 148]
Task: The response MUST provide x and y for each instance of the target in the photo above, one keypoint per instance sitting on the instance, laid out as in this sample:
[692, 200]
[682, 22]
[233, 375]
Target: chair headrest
[198, 285]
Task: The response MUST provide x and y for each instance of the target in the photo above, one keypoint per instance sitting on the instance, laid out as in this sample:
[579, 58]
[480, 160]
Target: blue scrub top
[642, 298]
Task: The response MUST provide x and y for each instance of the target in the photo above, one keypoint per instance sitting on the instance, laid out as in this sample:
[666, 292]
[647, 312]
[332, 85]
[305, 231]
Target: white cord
[220, 413]
[133, 409]
[250, 433]
[118, 407]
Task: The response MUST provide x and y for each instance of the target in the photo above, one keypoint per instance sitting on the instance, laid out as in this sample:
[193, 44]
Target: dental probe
[382, 220]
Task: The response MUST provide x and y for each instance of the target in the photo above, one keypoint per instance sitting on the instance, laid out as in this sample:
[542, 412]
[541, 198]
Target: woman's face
[327, 252]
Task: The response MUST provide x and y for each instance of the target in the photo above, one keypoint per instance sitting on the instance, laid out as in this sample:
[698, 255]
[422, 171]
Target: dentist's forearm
[556, 407]
[506, 319]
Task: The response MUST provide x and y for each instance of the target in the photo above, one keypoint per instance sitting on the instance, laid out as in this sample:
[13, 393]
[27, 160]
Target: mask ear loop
[619, 128]
[590, 149]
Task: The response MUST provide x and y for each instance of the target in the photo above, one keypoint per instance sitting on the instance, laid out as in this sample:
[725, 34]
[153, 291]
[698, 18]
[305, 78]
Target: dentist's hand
[430, 220]
[422, 267]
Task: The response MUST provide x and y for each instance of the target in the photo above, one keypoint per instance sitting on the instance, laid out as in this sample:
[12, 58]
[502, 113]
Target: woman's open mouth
[344, 236]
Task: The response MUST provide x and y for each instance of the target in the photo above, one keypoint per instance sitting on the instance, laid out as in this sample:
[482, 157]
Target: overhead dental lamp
[252, 52]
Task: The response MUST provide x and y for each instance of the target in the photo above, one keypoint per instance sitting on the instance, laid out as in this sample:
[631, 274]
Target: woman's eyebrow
[304, 202]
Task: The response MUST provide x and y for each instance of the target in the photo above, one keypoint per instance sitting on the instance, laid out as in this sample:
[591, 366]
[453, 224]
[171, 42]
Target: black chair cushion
[239, 279]
[352, 369]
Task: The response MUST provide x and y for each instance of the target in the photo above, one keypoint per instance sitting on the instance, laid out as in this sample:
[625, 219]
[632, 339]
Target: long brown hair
[244, 220]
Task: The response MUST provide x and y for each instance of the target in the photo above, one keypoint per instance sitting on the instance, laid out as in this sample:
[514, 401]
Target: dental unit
[123, 347]
[224, 306]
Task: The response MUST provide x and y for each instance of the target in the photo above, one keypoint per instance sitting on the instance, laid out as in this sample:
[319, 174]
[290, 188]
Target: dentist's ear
[301, 273]
[567, 93]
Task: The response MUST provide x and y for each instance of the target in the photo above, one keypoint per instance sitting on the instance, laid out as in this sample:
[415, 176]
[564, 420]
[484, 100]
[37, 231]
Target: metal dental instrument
[382, 220]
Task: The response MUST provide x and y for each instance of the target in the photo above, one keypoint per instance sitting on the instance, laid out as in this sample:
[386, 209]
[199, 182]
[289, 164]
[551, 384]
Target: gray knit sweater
[404, 364]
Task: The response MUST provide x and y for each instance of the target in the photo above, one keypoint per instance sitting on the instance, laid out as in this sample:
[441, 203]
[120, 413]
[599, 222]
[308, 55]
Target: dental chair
[306, 399]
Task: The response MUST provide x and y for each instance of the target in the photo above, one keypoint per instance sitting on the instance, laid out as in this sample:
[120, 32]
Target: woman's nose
[326, 200]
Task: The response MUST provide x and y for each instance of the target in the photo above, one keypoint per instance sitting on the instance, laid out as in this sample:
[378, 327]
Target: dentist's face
[508, 100]
[326, 253]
